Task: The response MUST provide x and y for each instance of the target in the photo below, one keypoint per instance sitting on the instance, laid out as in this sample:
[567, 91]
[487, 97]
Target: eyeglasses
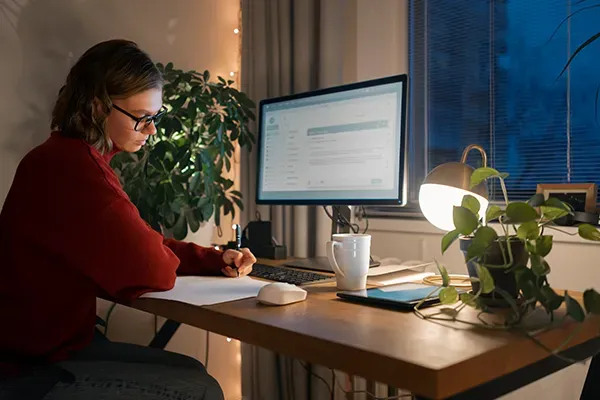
[142, 123]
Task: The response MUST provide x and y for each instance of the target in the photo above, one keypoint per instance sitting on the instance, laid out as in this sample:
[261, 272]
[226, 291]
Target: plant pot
[504, 278]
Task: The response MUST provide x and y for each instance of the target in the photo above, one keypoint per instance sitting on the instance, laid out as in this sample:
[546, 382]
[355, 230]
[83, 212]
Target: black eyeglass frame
[147, 119]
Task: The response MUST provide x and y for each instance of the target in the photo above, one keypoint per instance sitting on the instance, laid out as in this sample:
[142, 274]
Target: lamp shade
[444, 188]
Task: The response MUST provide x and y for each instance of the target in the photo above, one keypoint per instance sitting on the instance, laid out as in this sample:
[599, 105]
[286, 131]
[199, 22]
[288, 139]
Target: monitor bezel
[401, 198]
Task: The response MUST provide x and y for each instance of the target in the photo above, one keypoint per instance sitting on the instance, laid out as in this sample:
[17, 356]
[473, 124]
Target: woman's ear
[100, 109]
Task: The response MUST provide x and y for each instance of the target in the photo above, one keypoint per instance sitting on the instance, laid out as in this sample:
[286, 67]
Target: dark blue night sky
[493, 69]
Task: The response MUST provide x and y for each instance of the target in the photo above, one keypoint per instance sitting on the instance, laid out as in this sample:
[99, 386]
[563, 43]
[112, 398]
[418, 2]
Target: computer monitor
[344, 145]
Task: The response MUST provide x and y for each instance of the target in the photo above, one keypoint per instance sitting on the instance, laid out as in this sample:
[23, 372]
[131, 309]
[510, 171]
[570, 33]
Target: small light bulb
[236, 31]
[232, 73]
[228, 339]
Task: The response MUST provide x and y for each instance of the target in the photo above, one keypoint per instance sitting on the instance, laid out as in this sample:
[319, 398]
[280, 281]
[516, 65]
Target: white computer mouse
[279, 294]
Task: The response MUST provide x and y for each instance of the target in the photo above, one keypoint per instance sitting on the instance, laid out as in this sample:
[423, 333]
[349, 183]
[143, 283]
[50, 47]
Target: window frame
[416, 119]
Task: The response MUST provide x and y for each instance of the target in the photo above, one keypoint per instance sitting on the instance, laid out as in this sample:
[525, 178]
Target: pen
[238, 243]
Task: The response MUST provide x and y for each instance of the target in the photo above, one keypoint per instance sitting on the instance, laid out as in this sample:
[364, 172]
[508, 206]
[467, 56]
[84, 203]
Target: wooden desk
[432, 360]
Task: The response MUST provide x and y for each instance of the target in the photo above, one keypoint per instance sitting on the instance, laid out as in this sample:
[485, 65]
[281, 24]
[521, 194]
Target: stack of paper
[204, 290]
[397, 273]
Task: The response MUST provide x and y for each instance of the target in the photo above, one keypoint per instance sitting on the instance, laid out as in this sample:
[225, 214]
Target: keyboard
[287, 275]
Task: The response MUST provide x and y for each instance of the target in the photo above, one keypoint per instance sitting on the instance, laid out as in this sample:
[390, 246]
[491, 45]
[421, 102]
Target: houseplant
[177, 180]
[511, 266]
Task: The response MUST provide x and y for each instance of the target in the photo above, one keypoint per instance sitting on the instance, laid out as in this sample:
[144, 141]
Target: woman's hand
[243, 260]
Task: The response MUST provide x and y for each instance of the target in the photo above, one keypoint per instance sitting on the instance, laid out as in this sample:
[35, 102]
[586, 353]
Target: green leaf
[191, 220]
[192, 111]
[468, 299]
[202, 201]
[553, 213]
[238, 202]
[556, 203]
[519, 212]
[448, 295]
[195, 182]
[553, 209]
[227, 208]
[589, 232]
[207, 211]
[227, 184]
[237, 194]
[485, 279]
[528, 231]
[178, 103]
[591, 300]
[543, 245]
[539, 266]
[552, 301]
[526, 282]
[574, 309]
[536, 200]
[483, 239]
[443, 273]
[180, 228]
[471, 203]
[464, 220]
[493, 212]
[177, 205]
[481, 174]
[448, 239]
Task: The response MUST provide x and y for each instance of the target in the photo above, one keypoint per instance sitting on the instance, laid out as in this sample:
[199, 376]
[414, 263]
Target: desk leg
[591, 388]
[165, 334]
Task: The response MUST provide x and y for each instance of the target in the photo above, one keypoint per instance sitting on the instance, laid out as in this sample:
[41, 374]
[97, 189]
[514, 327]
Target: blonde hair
[112, 69]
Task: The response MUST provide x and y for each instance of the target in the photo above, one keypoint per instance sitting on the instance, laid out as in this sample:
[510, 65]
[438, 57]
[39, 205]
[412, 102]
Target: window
[489, 72]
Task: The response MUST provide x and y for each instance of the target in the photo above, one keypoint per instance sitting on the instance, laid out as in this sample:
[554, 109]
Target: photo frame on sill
[581, 196]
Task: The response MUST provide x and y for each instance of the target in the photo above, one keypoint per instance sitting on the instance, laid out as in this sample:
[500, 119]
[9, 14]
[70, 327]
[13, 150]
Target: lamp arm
[481, 150]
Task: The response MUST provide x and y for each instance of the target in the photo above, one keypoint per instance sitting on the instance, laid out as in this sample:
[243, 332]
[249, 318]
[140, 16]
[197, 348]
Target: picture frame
[581, 196]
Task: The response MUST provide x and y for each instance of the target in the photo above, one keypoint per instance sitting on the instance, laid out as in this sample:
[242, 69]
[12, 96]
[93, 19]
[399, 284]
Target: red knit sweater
[69, 233]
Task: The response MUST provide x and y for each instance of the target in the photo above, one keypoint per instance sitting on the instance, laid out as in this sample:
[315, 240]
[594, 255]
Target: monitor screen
[342, 145]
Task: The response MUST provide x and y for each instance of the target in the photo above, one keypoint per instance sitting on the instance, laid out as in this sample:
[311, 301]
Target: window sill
[423, 227]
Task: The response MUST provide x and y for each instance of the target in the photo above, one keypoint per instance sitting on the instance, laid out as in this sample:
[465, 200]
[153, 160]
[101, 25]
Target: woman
[69, 233]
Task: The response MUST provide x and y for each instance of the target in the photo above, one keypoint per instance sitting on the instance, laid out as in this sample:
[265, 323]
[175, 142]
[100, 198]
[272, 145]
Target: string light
[228, 339]
[236, 31]
[232, 73]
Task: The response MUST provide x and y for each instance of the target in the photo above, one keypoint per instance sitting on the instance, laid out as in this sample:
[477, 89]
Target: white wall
[41, 39]
[382, 49]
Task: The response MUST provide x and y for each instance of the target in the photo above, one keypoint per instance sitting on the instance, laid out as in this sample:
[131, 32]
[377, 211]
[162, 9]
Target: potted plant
[510, 268]
[177, 180]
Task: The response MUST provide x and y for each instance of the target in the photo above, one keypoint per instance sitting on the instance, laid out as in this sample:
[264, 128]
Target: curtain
[288, 46]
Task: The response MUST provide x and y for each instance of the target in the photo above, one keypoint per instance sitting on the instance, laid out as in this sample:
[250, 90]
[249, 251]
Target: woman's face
[120, 126]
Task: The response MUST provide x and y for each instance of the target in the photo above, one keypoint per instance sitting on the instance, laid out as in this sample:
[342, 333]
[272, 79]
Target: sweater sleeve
[196, 260]
[122, 254]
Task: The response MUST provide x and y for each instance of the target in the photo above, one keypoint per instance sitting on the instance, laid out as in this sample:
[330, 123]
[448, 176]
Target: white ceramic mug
[349, 256]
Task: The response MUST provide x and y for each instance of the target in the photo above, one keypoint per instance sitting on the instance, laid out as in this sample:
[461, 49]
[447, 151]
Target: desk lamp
[446, 185]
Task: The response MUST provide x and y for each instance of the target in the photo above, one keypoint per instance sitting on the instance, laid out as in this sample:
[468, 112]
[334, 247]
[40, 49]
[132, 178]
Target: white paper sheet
[203, 291]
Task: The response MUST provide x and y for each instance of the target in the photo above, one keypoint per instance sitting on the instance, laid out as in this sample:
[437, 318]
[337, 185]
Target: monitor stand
[322, 263]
